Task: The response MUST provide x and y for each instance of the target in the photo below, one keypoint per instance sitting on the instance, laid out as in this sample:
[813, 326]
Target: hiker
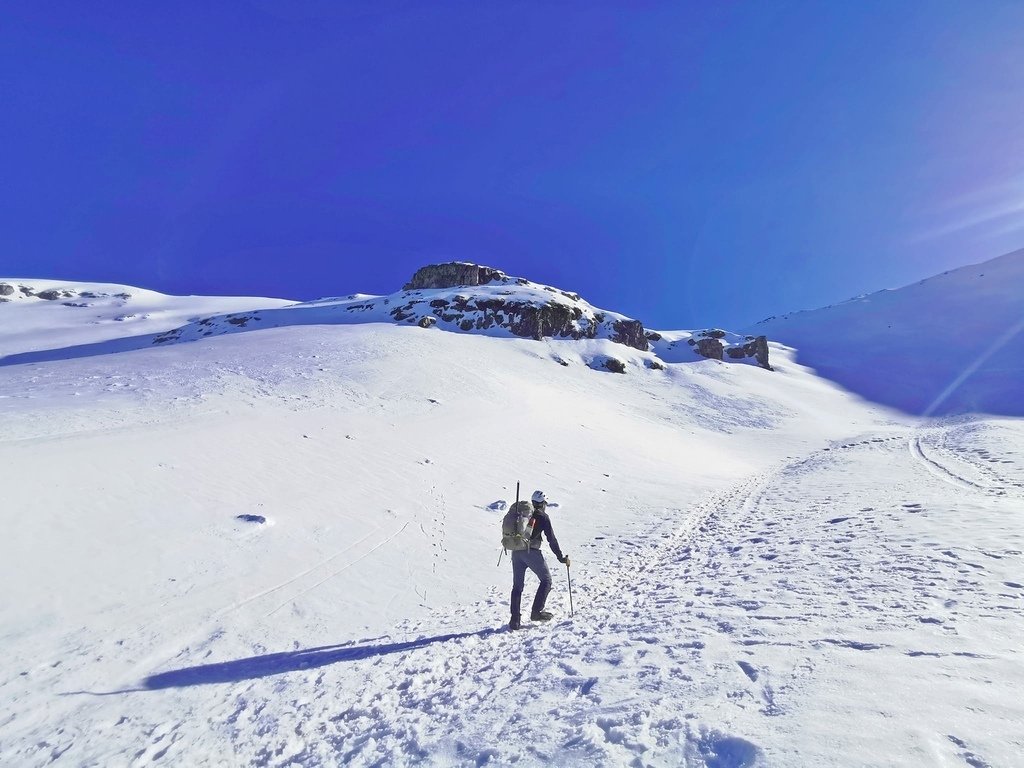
[533, 559]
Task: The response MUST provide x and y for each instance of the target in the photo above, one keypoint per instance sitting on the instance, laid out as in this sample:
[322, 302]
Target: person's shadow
[279, 663]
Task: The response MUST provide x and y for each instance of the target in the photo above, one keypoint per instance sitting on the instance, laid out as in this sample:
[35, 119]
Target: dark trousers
[534, 560]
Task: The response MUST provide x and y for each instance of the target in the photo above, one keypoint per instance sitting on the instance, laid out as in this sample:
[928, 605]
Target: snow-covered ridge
[463, 298]
[49, 317]
[468, 298]
[952, 343]
[71, 295]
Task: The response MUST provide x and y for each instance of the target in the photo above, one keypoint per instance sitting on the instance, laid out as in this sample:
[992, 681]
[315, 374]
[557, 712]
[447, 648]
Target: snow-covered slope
[950, 344]
[39, 316]
[752, 552]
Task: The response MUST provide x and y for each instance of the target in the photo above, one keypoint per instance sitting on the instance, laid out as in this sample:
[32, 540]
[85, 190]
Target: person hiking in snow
[533, 559]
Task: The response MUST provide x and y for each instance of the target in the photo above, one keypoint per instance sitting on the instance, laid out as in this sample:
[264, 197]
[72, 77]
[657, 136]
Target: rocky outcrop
[452, 275]
[717, 344]
[20, 291]
[533, 311]
[709, 347]
[631, 333]
[756, 347]
[607, 363]
[525, 309]
[761, 352]
[54, 293]
[524, 318]
[551, 319]
[530, 321]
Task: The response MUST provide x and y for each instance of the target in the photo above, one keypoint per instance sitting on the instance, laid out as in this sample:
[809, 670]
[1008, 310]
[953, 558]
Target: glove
[564, 561]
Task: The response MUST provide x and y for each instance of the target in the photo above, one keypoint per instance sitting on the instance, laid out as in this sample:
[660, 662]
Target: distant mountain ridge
[949, 344]
[459, 297]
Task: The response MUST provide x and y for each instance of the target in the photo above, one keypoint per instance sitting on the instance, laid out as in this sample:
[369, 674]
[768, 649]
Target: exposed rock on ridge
[564, 316]
[452, 275]
[52, 294]
[524, 309]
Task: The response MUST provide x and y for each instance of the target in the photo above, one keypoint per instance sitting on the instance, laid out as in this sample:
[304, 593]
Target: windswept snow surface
[766, 569]
[951, 344]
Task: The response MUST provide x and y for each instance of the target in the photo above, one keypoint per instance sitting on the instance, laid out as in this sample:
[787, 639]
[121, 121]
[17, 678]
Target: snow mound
[950, 344]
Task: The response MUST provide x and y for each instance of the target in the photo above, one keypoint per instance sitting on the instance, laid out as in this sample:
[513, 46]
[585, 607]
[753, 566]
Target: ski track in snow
[718, 637]
[947, 454]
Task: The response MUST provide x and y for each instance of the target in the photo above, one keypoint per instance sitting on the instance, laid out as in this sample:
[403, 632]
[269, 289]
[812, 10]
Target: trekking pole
[567, 576]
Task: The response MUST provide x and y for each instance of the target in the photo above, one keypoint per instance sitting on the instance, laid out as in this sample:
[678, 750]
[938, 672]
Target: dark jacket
[542, 524]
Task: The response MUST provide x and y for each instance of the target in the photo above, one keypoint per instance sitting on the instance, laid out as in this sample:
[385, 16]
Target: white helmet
[539, 497]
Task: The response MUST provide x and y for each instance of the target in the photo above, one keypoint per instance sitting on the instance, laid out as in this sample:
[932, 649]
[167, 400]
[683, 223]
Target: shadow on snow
[290, 661]
[280, 663]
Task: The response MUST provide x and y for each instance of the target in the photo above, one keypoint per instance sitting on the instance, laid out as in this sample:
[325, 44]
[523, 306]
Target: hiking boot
[540, 616]
[514, 623]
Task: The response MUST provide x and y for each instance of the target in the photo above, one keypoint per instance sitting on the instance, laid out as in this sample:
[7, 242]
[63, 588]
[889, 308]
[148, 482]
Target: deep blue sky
[689, 164]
